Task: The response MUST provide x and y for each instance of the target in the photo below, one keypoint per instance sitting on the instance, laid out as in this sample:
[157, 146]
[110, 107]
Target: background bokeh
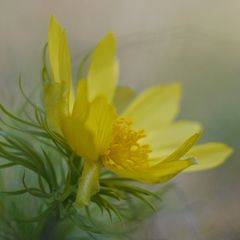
[194, 42]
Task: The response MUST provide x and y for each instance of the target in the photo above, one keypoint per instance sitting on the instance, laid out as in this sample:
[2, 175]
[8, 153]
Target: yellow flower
[144, 143]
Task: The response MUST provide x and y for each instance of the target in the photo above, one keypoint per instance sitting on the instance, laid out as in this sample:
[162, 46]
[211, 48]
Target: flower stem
[48, 231]
[88, 184]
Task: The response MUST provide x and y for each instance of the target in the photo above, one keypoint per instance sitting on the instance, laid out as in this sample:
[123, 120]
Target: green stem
[88, 184]
[48, 231]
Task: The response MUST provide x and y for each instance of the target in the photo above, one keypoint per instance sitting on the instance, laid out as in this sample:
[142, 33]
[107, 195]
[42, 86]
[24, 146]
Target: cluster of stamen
[125, 151]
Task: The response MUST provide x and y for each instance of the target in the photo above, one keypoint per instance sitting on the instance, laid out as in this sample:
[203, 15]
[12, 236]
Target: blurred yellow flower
[144, 143]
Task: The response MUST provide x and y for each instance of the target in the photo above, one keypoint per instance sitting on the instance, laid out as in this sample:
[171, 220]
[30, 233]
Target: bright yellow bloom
[144, 143]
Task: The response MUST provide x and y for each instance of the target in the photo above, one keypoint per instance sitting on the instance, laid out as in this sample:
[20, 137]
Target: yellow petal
[79, 138]
[170, 136]
[89, 136]
[156, 174]
[175, 153]
[155, 107]
[58, 94]
[55, 103]
[184, 148]
[103, 71]
[81, 104]
[123, 96]
[54, 38]
[58, 52]
[100, 122]
[163, 168]
[209, 155]
[59, 56]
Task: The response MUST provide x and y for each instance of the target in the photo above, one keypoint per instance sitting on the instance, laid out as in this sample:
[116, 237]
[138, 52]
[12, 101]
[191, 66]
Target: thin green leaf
[7, 165]
[52, 174]
[146, 201]
[45, 73]
[12, 116]
[18, 192]
[34, 191]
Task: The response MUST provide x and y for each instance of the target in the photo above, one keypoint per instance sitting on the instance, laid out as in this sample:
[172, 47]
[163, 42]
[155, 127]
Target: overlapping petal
[165, 140]
[157, 174]
[100, 122]
[88, 130]
[56, 103]
[81, 104]
[163, 168]
[79, 138]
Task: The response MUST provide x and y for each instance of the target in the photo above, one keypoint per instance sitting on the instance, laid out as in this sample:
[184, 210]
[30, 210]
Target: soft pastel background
[195, 42]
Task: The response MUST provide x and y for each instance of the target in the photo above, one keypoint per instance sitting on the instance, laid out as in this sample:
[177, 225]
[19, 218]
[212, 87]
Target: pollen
[125, 151]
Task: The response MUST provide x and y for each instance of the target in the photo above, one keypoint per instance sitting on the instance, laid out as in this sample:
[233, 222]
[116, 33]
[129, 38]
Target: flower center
[124, 150]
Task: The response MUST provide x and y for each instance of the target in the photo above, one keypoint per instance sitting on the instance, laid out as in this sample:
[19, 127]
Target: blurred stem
[88, 184]
[48, 231]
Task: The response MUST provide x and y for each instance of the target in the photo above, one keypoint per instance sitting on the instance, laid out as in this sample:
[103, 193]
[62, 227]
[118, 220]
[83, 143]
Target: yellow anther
[124, 150]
